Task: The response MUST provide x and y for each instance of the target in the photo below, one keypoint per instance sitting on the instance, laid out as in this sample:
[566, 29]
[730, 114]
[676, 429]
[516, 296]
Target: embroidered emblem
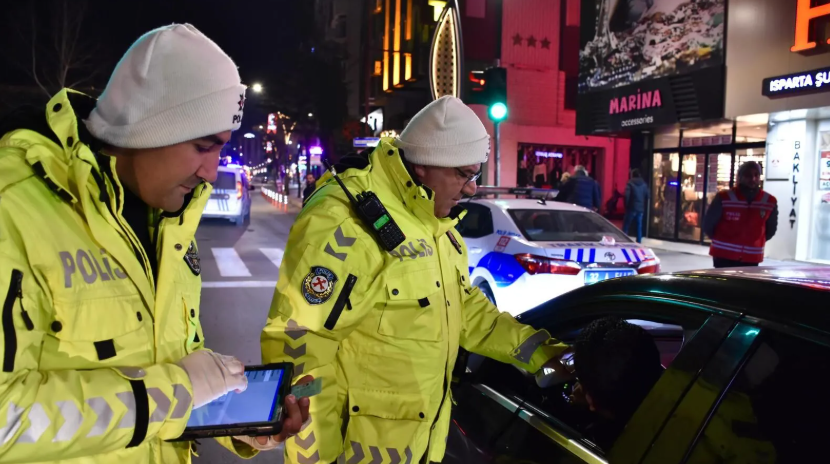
[192, 259]
[763, 214]
[455, 242]
[318, 285]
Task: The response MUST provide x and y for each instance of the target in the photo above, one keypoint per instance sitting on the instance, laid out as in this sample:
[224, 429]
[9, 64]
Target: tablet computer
[258, 411]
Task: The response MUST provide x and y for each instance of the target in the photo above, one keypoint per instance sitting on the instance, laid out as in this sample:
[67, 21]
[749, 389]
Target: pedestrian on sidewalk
[310, 186]
[740, 221]
[636, 200]
[382, 329]
[104, 355]
[580, 190]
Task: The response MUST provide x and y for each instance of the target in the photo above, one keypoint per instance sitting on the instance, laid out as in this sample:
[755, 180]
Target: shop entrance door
[684, 185]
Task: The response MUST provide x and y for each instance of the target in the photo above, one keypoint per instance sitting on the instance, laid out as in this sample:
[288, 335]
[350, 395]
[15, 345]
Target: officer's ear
[419, 171]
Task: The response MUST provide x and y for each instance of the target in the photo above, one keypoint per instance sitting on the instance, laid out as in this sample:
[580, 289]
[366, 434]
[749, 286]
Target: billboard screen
[623, 42]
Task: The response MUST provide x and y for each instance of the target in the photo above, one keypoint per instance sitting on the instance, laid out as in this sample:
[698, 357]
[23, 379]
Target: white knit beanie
[173, 85]
[446, 133]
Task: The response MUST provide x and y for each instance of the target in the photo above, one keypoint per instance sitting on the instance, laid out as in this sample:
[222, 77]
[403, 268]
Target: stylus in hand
[296, 416]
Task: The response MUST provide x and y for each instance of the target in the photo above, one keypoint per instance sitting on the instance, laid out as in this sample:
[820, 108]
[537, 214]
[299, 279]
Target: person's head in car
[617, 363]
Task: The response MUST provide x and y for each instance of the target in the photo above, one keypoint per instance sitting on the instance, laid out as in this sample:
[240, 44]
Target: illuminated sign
[316, 150]
[365, 142]
[634, 102]
[806, 13]
[272, 124]
[804, 82]
[547, 154]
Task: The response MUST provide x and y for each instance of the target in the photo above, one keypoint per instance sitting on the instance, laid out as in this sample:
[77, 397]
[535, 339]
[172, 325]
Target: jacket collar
[389, 169]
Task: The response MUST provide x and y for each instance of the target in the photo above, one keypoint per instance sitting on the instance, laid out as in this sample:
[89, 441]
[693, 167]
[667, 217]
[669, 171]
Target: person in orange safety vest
[741, 220]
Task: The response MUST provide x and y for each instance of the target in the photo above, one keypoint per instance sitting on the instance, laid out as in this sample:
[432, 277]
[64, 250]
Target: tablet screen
[256, 404]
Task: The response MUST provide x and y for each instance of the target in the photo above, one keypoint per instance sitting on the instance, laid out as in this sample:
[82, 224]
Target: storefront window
[820, 235]
[691, 196]
[542, 166]
[708, 130]
[664, 190]
[742, 156]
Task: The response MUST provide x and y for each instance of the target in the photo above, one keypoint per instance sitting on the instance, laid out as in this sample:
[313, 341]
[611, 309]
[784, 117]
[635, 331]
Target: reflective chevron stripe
[525, 351]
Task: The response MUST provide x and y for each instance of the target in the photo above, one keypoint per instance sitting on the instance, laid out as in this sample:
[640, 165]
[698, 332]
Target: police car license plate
[592, 277]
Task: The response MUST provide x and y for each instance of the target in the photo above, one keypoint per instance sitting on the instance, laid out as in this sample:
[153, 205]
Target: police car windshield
[539, 225]
[225, 181]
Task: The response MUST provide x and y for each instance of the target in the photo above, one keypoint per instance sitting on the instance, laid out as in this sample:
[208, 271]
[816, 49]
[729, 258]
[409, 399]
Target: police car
[525, 251]
[231, 197]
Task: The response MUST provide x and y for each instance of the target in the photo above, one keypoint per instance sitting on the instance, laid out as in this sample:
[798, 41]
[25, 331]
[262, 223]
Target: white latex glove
[254, 443]
[212, 375]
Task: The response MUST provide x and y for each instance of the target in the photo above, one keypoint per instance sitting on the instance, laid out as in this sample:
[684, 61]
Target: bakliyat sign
[817, 80]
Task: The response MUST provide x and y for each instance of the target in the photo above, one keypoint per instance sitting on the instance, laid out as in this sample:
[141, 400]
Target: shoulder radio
[374, 215]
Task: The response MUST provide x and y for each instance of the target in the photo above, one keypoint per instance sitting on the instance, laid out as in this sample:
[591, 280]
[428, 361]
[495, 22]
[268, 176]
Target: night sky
[250, 31]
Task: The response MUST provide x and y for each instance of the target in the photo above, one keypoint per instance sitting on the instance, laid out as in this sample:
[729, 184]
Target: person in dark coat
[310, 186]
[580, 190]
[636, 200]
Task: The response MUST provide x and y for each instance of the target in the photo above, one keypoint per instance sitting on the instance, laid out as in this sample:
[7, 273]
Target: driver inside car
[616, 364]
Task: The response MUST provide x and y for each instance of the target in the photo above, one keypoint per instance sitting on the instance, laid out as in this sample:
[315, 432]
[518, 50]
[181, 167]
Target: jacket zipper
[342, 301]
[9, 334]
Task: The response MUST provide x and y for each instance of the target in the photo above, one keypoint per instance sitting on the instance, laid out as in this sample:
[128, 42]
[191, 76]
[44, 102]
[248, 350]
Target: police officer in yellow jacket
[103, 355]
[382, 329]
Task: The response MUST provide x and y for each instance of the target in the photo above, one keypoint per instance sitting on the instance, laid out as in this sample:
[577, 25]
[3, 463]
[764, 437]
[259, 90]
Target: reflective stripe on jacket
[89, 334]
[382, 329]
[740, 232]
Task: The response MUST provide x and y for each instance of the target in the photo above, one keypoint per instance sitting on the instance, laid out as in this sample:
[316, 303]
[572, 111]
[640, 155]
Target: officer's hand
[296, 415]
[212, 375]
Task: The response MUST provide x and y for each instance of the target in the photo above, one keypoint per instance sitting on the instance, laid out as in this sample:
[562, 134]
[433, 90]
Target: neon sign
[548, 154]
[639, 101]
[808, 81]
[805, 13]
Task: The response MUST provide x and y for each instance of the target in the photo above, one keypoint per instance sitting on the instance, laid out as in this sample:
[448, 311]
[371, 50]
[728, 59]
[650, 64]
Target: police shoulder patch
[191, 257]
[318, 285]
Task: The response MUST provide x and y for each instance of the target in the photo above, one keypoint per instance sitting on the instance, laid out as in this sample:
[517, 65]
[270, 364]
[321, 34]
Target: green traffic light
[498, 111]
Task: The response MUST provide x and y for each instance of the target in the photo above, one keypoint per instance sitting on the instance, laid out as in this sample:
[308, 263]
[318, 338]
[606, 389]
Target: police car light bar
[529, 192]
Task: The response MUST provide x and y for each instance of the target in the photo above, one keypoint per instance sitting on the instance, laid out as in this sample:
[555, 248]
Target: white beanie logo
[445, 133]
[173, 85]
[237, 118]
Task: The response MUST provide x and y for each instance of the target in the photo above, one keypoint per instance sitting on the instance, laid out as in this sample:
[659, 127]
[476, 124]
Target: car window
[225, 181]
[775, 409]
[557, 414]
[477, 223]
[544, 225]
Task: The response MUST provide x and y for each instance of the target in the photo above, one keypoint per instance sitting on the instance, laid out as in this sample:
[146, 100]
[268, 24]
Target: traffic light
[495, 92]
[476, 93]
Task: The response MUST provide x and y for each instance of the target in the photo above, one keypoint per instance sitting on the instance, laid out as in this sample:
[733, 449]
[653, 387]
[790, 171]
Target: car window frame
[580, 313]
[619, 236]
[739, 354]
[484, 212]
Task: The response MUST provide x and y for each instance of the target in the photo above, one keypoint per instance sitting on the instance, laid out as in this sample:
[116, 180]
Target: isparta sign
[805, 82]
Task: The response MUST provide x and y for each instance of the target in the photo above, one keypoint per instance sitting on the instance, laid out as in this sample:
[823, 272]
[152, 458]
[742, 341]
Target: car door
[539, 425]
[476, 227]
[762, 400]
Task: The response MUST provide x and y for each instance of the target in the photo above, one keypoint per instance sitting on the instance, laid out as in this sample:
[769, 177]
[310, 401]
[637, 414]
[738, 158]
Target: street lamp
[310, 115]
[257, 88]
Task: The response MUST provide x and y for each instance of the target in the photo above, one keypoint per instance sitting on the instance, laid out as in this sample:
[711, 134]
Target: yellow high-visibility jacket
[89, 334]
[382, 329]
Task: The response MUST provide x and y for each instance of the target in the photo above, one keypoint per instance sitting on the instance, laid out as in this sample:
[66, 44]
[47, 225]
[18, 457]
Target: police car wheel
[485, 289]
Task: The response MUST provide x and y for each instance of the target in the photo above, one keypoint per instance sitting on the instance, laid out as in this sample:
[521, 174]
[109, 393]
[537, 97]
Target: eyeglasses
[470, 178]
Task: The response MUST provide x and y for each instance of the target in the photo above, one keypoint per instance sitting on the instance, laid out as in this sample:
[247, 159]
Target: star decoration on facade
[546, 43]
[531, 41]
[517, 39]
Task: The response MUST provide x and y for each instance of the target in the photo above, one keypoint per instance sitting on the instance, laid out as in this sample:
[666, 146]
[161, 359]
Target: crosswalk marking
[229, 263]
[273, 254]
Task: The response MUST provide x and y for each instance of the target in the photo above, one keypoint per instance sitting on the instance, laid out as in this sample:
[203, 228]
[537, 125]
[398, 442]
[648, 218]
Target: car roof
[791, 296]
[516, 203]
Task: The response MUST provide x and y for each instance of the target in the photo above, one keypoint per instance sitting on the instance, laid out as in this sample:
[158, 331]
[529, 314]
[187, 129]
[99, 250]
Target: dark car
[746, 359]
